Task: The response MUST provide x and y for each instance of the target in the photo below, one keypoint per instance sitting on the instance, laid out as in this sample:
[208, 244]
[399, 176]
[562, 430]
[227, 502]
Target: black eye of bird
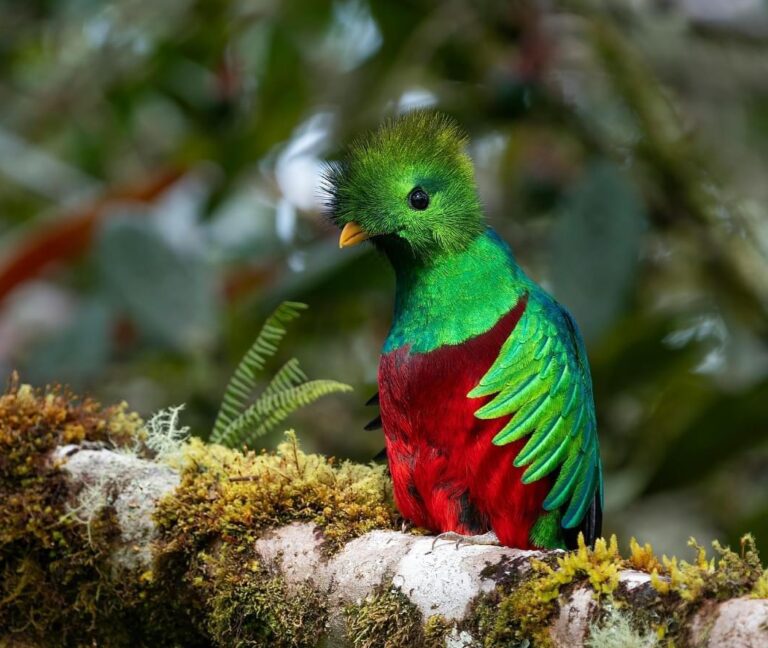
[418, 199]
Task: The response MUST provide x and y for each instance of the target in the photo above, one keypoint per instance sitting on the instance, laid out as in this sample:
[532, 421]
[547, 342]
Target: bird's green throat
[453, 296]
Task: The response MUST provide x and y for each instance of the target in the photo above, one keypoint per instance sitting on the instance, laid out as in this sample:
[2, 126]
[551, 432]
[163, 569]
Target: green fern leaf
[272, 407]
[288, 390]
[289, 375]
[243, 381]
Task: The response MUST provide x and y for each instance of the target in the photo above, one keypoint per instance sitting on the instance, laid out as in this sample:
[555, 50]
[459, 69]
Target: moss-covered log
[113, 533]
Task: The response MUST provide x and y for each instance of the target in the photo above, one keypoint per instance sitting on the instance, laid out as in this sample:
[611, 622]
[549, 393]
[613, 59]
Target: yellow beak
[352, 234]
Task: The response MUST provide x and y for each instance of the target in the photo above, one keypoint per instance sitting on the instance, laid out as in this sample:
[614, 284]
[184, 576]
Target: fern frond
[243, 381]
[272, 408]
[289, 375]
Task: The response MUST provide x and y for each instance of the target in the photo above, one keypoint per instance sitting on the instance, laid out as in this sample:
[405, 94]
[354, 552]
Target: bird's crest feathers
[421, 150]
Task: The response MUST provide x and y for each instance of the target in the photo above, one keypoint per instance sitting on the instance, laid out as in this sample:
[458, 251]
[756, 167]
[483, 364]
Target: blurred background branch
[159, 195]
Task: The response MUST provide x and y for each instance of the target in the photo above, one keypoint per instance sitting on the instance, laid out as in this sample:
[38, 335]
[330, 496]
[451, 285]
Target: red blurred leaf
[70, 236]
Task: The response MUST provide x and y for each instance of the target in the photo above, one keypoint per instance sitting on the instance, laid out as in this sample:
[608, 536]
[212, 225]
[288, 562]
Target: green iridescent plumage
[456, 279]
[454, 296]
[542, 378]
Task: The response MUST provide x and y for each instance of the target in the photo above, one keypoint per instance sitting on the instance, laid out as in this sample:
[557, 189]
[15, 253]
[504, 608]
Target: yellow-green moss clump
[760, 590]
[524, 609]
[233, 496]
[249, 606]
[683, 586]
[226, 499]
[726, 575]
[52, 589]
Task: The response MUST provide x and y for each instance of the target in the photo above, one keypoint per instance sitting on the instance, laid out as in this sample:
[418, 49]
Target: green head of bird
[409, 188]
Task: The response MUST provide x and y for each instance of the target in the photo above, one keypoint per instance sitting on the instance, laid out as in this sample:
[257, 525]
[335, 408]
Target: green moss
[726, 575]
[251, 607]
[683, 586]
[52, 585]
[231, 495]
[760, 590]
[385, 619]
[511, 617]
[523, 610]
[436, 629]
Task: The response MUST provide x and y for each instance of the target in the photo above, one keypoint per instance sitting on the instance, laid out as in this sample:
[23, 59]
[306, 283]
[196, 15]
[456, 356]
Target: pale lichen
[615, 630]
[91, 502]
[164, 436]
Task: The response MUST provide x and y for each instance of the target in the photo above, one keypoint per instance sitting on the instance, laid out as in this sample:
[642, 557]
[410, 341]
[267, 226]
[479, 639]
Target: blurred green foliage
[621, 148]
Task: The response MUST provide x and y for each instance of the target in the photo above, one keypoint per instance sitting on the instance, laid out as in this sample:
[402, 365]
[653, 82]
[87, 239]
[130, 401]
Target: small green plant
[243, 418]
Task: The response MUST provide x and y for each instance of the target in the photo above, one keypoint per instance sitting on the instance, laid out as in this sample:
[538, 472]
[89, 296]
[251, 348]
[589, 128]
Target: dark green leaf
[595, 246]
[169, 295]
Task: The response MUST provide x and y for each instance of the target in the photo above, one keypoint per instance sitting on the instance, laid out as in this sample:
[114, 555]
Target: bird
[484, 385]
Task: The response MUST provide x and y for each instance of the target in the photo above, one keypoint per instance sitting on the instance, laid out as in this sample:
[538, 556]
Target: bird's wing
[541, 378]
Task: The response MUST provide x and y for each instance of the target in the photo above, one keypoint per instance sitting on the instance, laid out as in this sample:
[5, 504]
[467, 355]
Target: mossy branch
[217, 547]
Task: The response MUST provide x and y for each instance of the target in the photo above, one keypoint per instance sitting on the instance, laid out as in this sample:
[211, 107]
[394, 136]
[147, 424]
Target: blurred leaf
[757, 525]
[725, 428]
[76, 353]
[595, 246]
[169, 295]
[634, 355]
[69, 235]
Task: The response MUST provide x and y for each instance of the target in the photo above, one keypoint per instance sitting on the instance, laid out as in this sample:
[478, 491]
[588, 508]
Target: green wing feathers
[541, 378]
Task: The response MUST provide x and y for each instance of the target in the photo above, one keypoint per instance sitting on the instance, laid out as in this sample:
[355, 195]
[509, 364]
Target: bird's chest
[423, 396]
[429, 426]
[436, 448]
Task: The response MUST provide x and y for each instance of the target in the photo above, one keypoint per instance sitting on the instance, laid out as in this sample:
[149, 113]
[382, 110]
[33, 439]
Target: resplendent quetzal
[484, 385]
